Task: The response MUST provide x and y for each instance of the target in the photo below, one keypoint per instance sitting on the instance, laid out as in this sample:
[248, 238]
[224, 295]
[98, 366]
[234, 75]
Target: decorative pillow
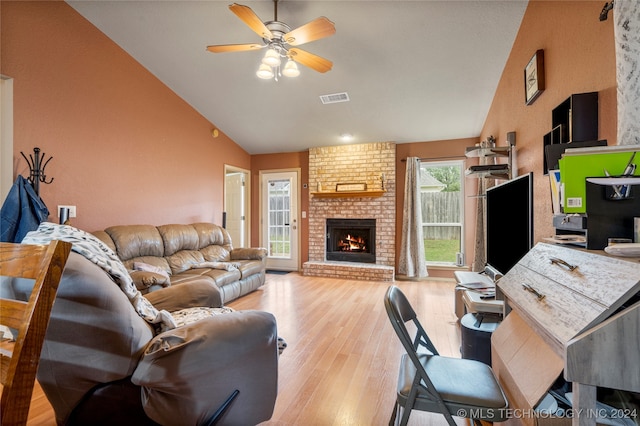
[145, 279]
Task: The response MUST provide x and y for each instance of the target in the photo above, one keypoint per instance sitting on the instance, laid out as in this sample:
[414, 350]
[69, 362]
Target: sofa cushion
[250, 267]
[105, 238]
[223, 277]
[178, 237]
[220, 276]
[209, 234]
[136, 240]
[184, 260]
[142, 266]
[249, 253]
[215, 253]
[194, 290]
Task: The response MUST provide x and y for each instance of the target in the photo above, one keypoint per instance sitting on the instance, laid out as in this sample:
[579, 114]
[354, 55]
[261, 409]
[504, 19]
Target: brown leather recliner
[101, 363]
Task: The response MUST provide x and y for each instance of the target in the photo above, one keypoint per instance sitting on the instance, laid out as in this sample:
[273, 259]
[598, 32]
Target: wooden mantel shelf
[348, 194]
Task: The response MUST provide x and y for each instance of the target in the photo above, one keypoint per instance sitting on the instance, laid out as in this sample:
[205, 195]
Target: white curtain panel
[412, 263]
[480, 258]
[627, 39]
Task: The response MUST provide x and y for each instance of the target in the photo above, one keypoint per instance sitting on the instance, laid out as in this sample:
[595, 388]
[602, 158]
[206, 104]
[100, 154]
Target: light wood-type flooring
[341, 363]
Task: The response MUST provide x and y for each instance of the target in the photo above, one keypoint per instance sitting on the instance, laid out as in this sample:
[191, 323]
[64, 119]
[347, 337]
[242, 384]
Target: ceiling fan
[280, 41]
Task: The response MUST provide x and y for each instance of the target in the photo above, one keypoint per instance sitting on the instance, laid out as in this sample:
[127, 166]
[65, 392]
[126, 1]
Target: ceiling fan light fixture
[276, 37]
[264, 72]
[271, 58]
[291, 69]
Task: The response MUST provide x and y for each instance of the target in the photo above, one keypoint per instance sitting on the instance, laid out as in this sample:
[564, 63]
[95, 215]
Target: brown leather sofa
[197, 259]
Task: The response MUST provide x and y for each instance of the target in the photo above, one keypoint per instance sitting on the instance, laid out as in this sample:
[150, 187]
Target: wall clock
[534, 77]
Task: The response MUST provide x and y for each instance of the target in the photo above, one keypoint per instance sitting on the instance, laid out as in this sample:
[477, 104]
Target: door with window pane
[280, 219]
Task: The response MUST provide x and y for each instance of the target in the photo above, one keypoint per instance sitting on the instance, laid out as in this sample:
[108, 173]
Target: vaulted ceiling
[414, 71]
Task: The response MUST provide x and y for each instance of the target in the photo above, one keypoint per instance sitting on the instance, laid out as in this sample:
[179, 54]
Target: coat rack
[36, 169]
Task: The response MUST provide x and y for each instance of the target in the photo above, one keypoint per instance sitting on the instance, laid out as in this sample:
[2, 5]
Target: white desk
[571, 312]
[470, 301]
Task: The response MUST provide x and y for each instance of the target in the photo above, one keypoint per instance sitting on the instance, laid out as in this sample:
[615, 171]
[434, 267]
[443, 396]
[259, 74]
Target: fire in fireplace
[354, 243]
[351, 240]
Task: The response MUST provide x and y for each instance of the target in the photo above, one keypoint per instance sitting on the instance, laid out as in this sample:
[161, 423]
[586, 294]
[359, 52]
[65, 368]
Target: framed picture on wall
[352, 186]
[534, 77]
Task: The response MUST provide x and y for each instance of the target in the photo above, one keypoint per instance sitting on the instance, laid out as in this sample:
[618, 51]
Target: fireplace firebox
[351, 240]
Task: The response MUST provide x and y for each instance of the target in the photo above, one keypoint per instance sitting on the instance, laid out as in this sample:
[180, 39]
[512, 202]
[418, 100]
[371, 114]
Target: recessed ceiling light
[346, 137]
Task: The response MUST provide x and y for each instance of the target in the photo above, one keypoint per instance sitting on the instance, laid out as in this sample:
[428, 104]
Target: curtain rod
[404, 160]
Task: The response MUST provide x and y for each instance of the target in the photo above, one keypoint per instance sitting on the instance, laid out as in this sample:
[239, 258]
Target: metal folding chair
[430, 382]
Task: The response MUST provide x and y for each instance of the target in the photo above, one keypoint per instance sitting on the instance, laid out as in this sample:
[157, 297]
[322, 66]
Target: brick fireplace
[374, 166]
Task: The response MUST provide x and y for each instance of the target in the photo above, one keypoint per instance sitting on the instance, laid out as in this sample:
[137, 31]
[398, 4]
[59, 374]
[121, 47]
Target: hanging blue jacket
[22, 211]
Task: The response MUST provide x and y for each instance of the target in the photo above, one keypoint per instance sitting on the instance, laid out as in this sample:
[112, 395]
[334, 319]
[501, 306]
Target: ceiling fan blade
[249, 17]
[314, 30]
[310, 60]
[234, 47]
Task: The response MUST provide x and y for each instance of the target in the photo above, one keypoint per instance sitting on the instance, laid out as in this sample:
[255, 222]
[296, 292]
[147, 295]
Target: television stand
[472, 301]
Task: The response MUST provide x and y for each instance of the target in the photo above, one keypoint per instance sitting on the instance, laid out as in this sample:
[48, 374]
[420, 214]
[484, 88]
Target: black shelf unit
[495, 170]
[573, 120]
[578, 118]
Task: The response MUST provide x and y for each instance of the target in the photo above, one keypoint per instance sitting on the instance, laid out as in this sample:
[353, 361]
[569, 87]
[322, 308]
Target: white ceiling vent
[334, 98]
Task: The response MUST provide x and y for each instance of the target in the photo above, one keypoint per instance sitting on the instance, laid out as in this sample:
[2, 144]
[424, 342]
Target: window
[442, 189]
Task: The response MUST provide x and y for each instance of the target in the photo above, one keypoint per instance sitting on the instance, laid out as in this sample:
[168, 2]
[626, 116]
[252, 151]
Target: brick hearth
[349, 270]
[362, 163]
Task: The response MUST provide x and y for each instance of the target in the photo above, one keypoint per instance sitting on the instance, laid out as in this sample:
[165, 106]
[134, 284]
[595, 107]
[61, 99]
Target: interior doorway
[236, 205]
[279, 223]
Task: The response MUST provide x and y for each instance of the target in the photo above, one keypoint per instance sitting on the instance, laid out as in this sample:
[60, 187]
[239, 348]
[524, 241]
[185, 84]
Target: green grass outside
[279, 247]
[441, 250]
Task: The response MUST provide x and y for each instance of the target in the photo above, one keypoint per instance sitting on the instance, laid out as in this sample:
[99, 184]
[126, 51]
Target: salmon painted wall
[579, 57]
[126, 149]
[275, 162]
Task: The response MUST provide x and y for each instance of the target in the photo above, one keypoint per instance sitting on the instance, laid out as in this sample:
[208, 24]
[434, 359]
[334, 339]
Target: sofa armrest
[248, 254]
[195, 294]
[188, 372]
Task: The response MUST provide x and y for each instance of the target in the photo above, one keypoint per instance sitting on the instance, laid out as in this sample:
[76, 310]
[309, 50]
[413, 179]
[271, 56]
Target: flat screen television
[509, 208]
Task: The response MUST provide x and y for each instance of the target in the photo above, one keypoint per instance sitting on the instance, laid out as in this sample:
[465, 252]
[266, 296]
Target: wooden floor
[341, 363]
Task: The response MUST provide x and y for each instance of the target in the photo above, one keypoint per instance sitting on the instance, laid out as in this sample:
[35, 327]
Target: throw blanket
[227, 266]
[97, 252]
